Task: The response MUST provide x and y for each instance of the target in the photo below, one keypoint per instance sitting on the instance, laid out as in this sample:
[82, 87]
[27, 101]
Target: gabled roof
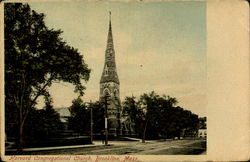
[63, 111]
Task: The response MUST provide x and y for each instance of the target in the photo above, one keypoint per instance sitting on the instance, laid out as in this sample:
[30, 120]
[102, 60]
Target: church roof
[63, 111]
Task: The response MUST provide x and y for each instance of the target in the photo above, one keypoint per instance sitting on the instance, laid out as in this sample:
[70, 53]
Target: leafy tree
[153, 105]
[98, 117]
[80, 116]
[202, 123]
[42, 124]
[158, 116]
[132, 111]
[35, 57]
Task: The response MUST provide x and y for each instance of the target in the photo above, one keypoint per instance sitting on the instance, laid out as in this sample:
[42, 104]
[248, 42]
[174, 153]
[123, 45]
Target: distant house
[64, 115]
[202, 132]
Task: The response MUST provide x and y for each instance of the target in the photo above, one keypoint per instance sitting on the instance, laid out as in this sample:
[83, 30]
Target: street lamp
[91, 120]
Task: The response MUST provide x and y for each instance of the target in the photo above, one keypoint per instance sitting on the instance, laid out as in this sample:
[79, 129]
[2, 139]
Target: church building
[110, 87]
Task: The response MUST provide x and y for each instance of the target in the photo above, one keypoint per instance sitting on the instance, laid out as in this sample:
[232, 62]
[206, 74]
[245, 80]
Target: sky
[159, 46]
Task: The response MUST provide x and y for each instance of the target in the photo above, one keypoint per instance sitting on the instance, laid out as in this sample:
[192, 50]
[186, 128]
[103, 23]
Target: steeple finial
[110, 27]
[109, 15]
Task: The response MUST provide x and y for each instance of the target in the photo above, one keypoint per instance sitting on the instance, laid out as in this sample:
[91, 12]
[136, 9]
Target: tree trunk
[144, 132]
[22, 118]
[20, 137]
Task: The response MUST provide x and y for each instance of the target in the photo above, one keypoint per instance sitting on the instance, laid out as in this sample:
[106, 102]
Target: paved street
[173, 147]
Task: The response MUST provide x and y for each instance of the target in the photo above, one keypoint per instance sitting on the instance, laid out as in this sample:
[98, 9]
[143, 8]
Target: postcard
[124, 80]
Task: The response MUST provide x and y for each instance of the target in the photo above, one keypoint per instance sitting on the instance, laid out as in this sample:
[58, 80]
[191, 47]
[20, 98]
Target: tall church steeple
[110, 85]
[109, 71]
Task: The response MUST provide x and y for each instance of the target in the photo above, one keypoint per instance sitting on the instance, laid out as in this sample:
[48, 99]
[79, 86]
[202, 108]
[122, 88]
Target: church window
[116, 93]
[106, 92]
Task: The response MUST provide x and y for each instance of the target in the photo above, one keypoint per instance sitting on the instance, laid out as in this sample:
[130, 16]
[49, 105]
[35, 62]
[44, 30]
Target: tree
[158, 116]
[35, 57]
[42, 124]
[149, 103]
[80, 116]
[132, 111]
[98, 117]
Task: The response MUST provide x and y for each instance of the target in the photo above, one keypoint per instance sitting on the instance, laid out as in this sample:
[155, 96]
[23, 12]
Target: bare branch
[15, 99]
[42, 89]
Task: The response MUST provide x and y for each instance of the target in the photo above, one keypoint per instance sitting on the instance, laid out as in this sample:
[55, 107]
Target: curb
[54, 148]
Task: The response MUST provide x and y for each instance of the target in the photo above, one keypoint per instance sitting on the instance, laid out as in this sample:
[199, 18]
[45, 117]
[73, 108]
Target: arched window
[116, 94]
[106, 92]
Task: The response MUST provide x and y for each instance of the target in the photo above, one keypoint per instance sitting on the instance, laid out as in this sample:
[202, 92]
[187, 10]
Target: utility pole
[106, 119]
[91, 121]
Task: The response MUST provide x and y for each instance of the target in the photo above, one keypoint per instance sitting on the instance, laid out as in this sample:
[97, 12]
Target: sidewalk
[116, 142]
[95, 144]
[57, 147]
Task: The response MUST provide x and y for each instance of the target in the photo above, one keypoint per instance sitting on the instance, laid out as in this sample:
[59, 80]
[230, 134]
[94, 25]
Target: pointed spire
[109, 20]
[109, 71]
[110, 37]
[109, 16]
[110, 28]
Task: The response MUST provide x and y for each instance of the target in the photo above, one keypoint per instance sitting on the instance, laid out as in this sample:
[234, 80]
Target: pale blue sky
[159, 46]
